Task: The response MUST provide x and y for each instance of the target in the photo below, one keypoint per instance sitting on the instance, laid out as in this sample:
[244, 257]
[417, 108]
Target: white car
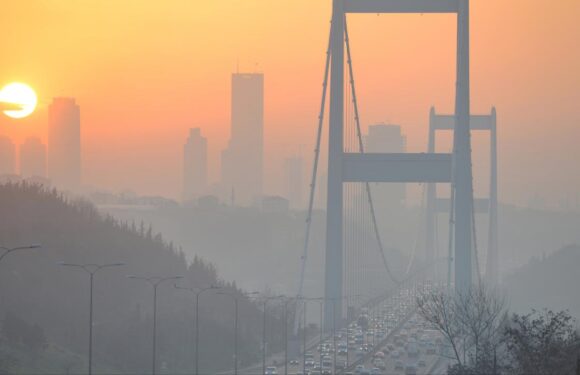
[271, 371]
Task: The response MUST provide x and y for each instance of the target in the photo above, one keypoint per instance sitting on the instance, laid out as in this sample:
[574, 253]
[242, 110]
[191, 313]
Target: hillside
[263, 248]
[34, 287]
[551, 282]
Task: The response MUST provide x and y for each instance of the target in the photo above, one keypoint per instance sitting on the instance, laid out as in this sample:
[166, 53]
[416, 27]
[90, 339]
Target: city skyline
[7, 156]
[64, 144]
[194, 88]
[33, 158]
[242, 161]
[194, 165]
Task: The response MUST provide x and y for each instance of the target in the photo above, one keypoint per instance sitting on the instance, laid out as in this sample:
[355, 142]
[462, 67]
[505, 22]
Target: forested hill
[36, 289]
[550, 282]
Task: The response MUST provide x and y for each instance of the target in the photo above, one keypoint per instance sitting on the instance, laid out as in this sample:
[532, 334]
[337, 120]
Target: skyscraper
[32, 158]
[194, 165]
[242, 160]
[64, 143]
[293, 181]
[387, 138]
[7, 156]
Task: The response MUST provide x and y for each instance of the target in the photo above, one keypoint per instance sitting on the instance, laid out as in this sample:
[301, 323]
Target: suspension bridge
[351, 211]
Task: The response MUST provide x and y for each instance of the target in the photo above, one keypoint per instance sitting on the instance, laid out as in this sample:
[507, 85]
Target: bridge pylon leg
[334, 209]
[462, 175]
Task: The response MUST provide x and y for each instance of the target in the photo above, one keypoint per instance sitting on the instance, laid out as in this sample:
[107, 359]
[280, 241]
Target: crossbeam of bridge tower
[394, 168]
[436, 205]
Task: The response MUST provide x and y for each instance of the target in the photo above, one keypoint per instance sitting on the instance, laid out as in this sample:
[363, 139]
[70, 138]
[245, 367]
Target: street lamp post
[154, 282]
[264, 339]
[333, 331]
[334, 336]
[235, 298]
[334, 300]
[266, 299]
[321, 300]
[286, 335]
[197, 292]
[8, 250]
[91, 269]
[304, 317]
[304, 302]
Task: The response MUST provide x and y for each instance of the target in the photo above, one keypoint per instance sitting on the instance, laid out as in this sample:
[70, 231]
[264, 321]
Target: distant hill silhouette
[552, 282]
[258, 248]
[39, 291]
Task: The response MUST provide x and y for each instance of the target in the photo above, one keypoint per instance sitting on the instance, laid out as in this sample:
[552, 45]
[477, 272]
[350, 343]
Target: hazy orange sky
[145, 71]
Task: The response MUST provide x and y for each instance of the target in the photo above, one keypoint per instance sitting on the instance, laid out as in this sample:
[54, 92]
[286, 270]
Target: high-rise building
[7, 156]
[194, 165]
[64, 143]
[242, 160]
[388, 139]
[293, 181]
[32, 158]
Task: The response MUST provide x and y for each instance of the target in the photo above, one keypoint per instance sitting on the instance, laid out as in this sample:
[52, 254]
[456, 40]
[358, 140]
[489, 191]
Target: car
[430, 349]
[412, 351]
[358, 369]
[411, 369]
[293, 362]
[380, 364]
[271, 370]
[399, 365]
[341, 365]
[396, 354]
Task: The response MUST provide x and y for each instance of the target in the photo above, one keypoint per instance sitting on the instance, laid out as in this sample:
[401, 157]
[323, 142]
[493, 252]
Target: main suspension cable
[304, 256]
[361, 149]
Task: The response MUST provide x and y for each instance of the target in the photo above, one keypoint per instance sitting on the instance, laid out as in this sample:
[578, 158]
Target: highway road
[388, 338]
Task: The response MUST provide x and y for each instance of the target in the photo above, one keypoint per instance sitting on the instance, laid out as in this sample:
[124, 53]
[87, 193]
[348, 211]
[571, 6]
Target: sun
[19, 98]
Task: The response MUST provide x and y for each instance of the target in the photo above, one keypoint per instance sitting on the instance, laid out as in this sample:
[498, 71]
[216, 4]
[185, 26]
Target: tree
[471, 322]
[13, 328]
[75, 231]
[543, 343]
[437, 308]
[34, 340]
[482, 316]
[7, 361]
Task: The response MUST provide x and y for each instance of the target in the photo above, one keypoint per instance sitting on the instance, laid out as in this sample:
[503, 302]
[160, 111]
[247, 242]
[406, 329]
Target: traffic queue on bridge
[388, 338]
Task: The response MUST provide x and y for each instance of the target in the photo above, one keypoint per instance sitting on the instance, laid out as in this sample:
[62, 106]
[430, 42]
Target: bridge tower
[344, 167]
[436, 205]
